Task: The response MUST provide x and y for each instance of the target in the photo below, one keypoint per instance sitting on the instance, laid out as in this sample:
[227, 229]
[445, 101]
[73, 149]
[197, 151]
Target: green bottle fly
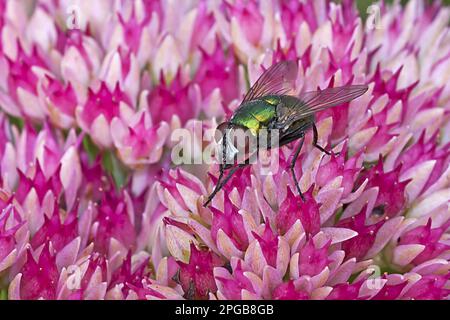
[268, 105]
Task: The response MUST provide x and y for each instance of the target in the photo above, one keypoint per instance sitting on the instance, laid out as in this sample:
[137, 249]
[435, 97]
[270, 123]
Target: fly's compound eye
[235, 134]
[223, 130]
[239, 142]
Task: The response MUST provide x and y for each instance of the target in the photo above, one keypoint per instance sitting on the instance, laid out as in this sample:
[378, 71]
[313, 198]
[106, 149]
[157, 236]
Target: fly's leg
[315, 137]
[294, 159]
[216, 188]
[232, 171]
[220, 184]
[221, 168]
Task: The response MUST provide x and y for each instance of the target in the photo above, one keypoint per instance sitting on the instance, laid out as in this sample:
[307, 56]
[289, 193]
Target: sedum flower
[196, 277]
[101, 107]
[139, 142]
[20, 91]
[121, 67]
[38, 279]
[306, 211]
[217, 75]
[429, 239]
[13, 236]
[175, 100]
[113, 225]
[81, 57]
[359, 202]
[61, 102]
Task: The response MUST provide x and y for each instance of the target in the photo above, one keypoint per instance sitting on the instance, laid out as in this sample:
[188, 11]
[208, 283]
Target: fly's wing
[278, 79]
[314, 101]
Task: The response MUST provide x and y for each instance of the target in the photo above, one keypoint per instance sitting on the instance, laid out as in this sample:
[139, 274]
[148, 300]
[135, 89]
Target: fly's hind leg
[294, 159]
[315, 137]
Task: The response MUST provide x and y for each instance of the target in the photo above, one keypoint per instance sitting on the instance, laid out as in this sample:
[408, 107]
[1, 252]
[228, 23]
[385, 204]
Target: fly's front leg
[294, 159]
[232, 171]
[223, 182]
[216, 188]
[315, 137]
[222, 168]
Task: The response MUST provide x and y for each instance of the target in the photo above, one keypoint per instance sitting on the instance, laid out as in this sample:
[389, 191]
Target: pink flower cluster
[92, 207]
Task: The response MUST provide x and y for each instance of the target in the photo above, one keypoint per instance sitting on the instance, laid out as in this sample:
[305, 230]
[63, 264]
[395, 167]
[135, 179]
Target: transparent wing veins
[314, 101]
[277, 80]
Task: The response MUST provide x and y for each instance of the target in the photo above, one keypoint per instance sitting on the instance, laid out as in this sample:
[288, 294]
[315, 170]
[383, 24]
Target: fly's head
[234, 143]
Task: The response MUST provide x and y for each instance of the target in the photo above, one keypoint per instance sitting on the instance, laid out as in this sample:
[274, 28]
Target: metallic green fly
[268, 106]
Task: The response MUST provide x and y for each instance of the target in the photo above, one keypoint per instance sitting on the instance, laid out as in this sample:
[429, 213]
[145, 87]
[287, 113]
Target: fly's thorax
[273, 100]
[255, 114]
